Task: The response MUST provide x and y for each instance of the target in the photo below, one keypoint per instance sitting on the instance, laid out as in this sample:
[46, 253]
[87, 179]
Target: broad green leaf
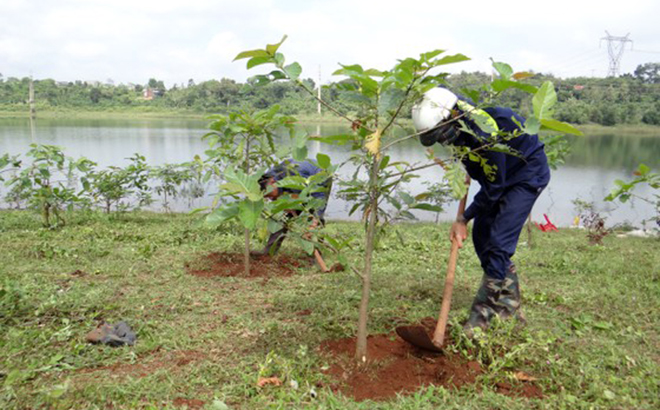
[431, 54]
[456, 58]
[251, 53]
[544, 101]
[323, 160]
[277, 75]
[307, 246]
[293, 70]
[555, 125]
[428, 207]
[272, 48]
[532, 126]
[274, 226]
[300, 153]
[240, 183]
[249, 212]
[500, 85]
[505, 71]
[222, 214]
[255, 61]
[407, 199]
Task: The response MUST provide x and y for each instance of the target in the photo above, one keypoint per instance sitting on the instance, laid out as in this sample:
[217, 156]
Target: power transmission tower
[615, 47]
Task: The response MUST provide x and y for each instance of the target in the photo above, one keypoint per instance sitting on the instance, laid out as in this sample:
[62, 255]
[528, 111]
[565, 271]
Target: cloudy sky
[175, 40]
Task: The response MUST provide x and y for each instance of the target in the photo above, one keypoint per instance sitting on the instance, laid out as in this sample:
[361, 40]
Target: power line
[615, 47]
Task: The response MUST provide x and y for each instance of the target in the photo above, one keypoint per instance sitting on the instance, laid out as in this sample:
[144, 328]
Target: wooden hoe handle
[439, 334]
[320, 261]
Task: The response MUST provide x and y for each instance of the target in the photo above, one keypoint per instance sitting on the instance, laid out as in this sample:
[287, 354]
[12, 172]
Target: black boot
[509, 303]
[485, 304]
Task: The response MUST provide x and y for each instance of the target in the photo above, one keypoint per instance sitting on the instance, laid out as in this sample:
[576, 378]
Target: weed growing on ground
[591, 340]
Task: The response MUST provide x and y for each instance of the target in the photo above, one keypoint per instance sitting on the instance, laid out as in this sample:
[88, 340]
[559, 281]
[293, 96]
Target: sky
[130, 41]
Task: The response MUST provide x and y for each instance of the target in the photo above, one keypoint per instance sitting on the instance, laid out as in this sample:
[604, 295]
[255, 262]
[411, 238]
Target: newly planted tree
[384, 96]
[242, 146]
[625, 191]
[49, 182]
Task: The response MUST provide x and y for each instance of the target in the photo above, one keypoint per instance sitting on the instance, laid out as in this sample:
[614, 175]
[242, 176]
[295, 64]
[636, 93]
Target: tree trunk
[246, 252]
[529, 230]
[361, 346]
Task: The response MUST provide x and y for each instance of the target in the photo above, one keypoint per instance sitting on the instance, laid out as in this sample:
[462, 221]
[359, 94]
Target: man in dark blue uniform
[505, 199]
[268, 183]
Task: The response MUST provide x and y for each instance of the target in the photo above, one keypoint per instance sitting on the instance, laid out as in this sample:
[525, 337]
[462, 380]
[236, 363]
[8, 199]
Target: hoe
[417, 335]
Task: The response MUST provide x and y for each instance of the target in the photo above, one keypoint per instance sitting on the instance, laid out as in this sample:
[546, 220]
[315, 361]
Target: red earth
[220, 264]
[395, 367]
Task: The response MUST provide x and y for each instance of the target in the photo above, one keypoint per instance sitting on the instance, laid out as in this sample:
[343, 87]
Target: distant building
[148, 94]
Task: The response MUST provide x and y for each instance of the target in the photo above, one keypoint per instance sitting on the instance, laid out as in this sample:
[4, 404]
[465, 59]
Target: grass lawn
[592, 339]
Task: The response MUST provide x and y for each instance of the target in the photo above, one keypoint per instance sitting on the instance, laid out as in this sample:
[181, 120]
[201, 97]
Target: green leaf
[428, 207]
[505, 71]
[456, 58]
[307, 246]
[300, 153]
[240, 183]
[249, 212]
[274, 226]
[431, 54]
[455, 176]
[251, 53]
[222, 214]
[277, 75]
[407, 199]
[544, 101]
[255, 61]
[500, 85]
[272, 48]
[643, 170]
[323, 160]
[293, 71]
[555, 125]
[532, 126]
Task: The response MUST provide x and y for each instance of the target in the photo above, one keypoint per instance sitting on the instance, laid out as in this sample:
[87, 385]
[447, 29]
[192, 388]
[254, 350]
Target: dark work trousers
[276, 238]
[495, 233]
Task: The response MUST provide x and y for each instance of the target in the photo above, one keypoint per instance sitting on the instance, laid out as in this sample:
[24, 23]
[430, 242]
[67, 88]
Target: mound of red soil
[395, 367]
[232, 265]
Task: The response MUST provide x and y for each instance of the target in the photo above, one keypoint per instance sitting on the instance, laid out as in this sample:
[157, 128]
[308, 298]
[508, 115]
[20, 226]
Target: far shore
[139, 113]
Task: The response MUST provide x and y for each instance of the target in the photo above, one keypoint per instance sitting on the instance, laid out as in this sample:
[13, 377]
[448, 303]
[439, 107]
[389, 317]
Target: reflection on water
[596, 160]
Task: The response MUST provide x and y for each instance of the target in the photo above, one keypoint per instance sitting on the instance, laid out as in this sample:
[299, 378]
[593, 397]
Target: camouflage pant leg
[508, 304]
[484, 306]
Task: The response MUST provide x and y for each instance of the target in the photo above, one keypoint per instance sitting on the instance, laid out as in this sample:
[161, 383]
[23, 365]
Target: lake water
[595, 162]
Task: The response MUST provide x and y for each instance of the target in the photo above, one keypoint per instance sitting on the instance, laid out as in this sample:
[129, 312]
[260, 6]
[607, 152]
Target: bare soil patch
[395, 367]
[221, 264]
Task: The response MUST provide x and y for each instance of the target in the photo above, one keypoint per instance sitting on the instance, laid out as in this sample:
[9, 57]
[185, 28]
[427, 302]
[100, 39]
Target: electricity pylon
[615, 47]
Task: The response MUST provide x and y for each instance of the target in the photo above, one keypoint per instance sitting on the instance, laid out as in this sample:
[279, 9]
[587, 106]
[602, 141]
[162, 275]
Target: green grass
[592, 339]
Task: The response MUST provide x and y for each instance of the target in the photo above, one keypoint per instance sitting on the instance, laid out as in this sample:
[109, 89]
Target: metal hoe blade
[418, 337]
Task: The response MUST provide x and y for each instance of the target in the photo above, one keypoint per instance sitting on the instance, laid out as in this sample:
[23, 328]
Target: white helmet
[433, 108]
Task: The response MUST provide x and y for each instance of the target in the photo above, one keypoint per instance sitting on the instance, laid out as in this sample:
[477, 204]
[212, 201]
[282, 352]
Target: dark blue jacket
[530, 169]
[304, 169]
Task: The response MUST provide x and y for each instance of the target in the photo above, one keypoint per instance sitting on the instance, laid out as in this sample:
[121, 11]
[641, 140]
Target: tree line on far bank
[628, 99]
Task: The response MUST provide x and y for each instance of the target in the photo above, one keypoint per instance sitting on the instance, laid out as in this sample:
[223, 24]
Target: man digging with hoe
[499, 209]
